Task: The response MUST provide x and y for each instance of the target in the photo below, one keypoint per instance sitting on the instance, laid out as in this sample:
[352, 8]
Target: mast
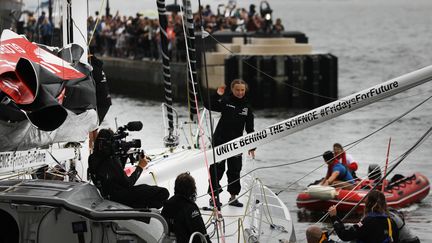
[191, 64]
[75, 24]
[170, 140]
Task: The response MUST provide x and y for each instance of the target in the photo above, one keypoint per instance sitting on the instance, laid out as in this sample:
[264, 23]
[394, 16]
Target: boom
[323, 113]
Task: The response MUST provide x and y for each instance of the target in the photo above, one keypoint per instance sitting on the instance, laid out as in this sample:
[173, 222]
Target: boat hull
[402, 193]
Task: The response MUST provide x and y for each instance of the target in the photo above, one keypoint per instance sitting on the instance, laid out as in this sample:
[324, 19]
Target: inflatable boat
[400, 192]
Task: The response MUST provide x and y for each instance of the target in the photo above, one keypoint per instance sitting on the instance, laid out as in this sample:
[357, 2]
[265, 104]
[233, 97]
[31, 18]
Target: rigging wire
[215, 201]
[204, 61]
[96, 23]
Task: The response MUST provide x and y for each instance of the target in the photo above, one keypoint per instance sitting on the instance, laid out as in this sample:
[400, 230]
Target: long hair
[185, 186]
[338, 145]
[376, 203]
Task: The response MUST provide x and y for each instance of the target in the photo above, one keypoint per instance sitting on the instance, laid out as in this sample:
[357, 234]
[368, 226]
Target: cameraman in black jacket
[107, 173]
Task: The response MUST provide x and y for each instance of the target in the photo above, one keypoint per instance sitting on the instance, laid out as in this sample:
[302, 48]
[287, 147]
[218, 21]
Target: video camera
[124, 149]
[266, 14]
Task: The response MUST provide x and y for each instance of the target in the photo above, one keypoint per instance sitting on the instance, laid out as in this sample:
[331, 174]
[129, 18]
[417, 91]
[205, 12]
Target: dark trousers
[141, 196]
[233, 174]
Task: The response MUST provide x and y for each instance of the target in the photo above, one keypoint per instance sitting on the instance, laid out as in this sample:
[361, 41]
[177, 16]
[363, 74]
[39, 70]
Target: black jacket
[236, 117]
[184, 218]
[108, 171]
[371, 229]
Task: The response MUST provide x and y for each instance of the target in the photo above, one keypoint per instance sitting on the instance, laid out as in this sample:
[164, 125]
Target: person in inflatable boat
[346, 159]
[337, 174]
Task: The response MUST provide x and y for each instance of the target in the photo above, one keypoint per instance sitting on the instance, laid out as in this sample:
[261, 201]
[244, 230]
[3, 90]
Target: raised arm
[216, 100]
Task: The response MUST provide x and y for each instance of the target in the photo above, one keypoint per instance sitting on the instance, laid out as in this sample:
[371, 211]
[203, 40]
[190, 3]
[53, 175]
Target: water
[375, 40]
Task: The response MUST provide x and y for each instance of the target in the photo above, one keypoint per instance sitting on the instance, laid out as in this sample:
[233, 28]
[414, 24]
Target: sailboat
[70, 211]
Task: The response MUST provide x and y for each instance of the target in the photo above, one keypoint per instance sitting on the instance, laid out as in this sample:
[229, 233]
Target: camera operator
[107, 173]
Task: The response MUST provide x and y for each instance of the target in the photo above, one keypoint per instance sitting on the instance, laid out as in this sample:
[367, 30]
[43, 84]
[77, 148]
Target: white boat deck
[262, 212]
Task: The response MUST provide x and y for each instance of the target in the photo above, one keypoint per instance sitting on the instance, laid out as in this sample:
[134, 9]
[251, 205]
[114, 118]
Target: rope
[208, 98]
[240, 226]
[154, 177]
[96, 23]
[265, 200]
[202, 139]
[191, 74]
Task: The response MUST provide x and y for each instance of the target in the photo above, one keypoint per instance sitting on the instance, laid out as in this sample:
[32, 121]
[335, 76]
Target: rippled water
[375, 40]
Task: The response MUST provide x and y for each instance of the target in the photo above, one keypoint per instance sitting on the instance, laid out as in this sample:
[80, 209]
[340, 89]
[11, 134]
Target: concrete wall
[143, 79]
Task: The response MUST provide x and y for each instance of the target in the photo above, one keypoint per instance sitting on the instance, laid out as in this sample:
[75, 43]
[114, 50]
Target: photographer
[106, 171]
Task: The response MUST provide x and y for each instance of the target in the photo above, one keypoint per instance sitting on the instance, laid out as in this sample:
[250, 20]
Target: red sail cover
[43, 98]
[13, 47]
[39, 86]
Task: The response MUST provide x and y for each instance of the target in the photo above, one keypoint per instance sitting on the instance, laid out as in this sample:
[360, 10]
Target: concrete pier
[281, 71]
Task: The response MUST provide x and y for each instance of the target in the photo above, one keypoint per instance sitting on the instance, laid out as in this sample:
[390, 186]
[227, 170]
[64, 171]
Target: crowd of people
[38, 29]
[137, 37]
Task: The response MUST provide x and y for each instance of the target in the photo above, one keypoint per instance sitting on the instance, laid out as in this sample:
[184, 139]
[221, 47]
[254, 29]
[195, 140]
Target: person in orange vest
[345, 159]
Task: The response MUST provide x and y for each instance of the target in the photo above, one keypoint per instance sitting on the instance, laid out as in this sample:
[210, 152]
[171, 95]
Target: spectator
[207, 11]
[46, 31]
[278, 26]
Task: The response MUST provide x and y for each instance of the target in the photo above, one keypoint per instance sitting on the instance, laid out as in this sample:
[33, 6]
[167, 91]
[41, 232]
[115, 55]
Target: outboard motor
[374, 172]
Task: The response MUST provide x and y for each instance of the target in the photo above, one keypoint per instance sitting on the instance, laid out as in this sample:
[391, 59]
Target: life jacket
[389, 231]
[395, 213]
[324, 237]
[342, 157]
[389, 238]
